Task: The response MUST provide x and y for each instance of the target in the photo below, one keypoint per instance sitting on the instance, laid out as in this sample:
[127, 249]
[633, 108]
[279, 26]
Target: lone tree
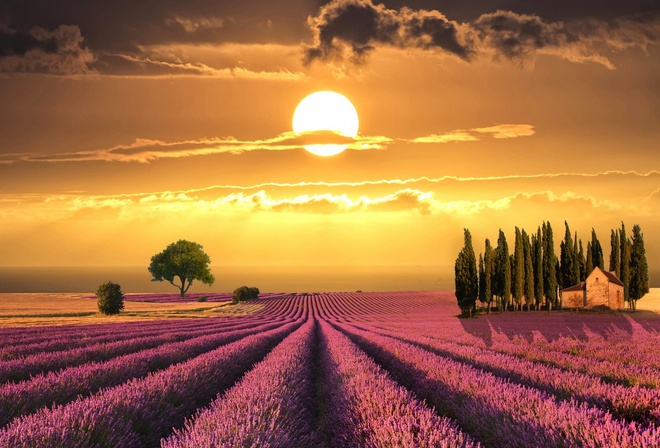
[466, 277]
[184, 260]
[111, 299]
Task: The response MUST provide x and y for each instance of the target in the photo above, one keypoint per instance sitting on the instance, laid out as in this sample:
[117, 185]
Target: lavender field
[387, 369]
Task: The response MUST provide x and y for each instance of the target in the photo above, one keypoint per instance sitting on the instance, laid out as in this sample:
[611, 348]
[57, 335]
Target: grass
[30, 309]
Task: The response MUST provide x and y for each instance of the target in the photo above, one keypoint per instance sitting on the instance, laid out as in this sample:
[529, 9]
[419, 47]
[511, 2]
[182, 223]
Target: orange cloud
[182, 69]
[147, 150]
[471, 135]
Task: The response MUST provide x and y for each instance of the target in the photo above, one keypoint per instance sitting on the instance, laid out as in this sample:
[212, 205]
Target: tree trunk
[182, 287]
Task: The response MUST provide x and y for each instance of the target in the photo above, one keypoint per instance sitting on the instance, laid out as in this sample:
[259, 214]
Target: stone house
[600, 288]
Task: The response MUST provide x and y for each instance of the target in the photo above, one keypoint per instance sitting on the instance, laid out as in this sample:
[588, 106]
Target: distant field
[25, 309]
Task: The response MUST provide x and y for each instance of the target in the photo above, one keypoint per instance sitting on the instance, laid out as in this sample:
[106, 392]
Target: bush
[111, 299]
[244, 293]
[203, 299]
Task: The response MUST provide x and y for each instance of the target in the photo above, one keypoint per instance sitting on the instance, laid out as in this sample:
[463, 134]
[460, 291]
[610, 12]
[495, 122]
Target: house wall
[616, 296]
[597, 290]
[573, 299]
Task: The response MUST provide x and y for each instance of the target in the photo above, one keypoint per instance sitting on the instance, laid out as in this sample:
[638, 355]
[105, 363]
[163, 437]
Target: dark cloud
[125, 25]
[17, 43]
[555, 11]
[351, 29]
[354, 27]
[515, 36]
[38, 50]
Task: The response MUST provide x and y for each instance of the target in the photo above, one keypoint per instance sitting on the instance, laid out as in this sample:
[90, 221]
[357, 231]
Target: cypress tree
[639, 268]
[502, 276]
[590, 259]
[518, 270]
[466, 277]
[567, 260]
[549, 265]
[488, 268]
[615, 258]
[578, 263]
[529, 270]
[582, 262]
[625, 261]
[596, 251]
[482, 280]
[537, 246]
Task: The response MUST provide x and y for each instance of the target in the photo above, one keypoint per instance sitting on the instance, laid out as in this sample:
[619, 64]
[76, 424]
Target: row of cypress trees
[533, 273]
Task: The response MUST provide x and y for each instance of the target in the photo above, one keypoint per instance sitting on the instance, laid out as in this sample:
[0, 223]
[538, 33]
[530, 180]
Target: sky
[125, 126]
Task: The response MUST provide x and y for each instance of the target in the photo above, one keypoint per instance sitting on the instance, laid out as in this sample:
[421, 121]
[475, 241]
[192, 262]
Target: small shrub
[203, 299]
[244, 293]
[601, 309]
[111, 299]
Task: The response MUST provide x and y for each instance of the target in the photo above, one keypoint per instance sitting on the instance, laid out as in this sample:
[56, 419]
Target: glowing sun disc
[325, 112]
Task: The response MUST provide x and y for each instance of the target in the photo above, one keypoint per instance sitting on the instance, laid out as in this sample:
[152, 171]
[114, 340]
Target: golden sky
[124, 127]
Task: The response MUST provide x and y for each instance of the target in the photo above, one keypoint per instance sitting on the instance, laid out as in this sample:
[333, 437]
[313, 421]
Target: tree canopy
[111, 299]
[466, 276]
[183, 260]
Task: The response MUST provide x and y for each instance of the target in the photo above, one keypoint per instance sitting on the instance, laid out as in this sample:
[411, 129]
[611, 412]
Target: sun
[327, 118]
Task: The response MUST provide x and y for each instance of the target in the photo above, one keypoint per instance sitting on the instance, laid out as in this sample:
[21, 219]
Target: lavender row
[48, 334]
[193, 297]
[610, 371]
[61, 387]
[270, 407]
[618, 347]
[494, 410]
[11, 337]
[175, 298]
[139, 413]
[35, 335]
[23, 368]
[59, 342]
[366, 408]
[626, 374]
[631, 403]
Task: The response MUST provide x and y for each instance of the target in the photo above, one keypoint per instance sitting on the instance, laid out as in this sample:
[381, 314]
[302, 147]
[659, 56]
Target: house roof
[611, 276]
[578, 287]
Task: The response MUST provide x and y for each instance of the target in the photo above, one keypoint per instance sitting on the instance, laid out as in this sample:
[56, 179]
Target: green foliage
[550, 263]
[482, 280]
[111, 299]
[537, 251]
[244, 293]
[625, 248]
[615, 258]
[589, 263]
[568, 262]
[582, 262]
[488, 272]
[529, 269]
[639, 270]
[502, 271]
[203, 299]
[518, 268]
[183, 260]
[596, 251]
[466, 277]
